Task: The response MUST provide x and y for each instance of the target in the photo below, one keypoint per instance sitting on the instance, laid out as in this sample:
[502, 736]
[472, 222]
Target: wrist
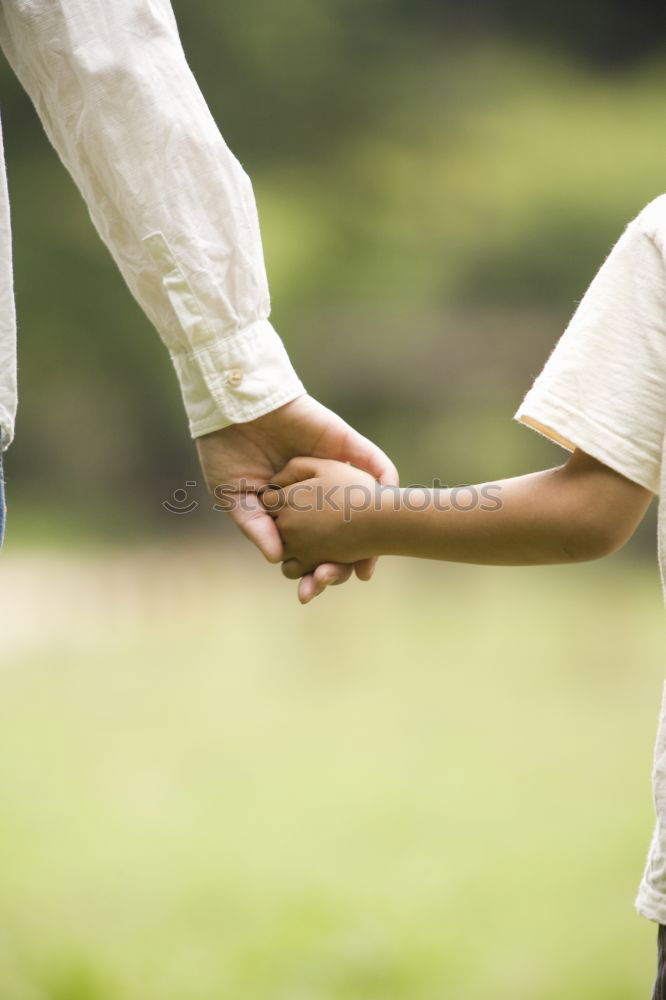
[397, 529]
[381, 519]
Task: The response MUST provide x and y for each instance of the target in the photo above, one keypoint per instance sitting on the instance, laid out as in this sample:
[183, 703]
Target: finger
[326, 575]
[364, 568]
[308, 589]
[367, 456]
[272, 499]
[257, 525]
[292, 569]
[296, 470]
[332, 574]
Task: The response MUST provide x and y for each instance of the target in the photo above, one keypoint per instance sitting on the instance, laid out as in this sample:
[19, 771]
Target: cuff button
[234, 377]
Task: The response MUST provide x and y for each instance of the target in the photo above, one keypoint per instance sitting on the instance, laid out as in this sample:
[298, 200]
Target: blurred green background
[436, 786]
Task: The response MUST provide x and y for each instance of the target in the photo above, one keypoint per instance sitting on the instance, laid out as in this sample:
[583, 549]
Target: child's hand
[323, 510]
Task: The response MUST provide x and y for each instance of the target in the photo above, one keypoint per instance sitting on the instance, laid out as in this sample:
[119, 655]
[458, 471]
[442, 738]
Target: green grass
[436, 786]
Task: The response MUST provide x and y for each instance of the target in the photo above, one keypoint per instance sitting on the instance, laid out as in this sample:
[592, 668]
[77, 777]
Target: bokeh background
[437, 785]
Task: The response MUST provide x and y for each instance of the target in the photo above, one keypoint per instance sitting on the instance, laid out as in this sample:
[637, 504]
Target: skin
[578, 511]
[248, 456]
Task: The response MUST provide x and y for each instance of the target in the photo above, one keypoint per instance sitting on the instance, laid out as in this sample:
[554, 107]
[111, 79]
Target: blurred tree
[606, 33]
[431, 183]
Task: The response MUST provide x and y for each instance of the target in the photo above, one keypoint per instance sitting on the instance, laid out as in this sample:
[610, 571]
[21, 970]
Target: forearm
[551, 516]
[174, 206]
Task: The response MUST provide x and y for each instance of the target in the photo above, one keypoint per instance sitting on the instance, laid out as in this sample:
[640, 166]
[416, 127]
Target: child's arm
[601, 395]
[578, 511]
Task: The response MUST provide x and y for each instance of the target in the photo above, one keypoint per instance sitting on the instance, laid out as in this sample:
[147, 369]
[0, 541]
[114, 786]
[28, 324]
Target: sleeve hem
[6, 429]
[219, 421]
[236, 379]
[571, 429]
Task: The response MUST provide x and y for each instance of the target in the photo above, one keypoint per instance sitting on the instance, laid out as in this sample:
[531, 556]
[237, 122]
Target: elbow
[597, 510]
[595, 540]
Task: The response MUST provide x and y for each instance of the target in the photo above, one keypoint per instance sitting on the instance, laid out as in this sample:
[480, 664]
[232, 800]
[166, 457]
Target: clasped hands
[323, 511]
[299, 447]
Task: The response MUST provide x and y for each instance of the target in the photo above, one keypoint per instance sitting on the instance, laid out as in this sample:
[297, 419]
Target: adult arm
[176, 210]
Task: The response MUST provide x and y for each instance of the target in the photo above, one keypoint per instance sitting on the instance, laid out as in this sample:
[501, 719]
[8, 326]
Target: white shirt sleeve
[603, 388]
[175, 208]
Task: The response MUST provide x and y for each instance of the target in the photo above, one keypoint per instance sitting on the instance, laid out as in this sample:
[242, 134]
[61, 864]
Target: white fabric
[175, 208]
[8, 396]
[603, 390]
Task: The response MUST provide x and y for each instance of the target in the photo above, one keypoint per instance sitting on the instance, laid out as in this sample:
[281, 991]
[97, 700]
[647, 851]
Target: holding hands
[323, 511]
[331, 514]
[247, 457]
[314, 494]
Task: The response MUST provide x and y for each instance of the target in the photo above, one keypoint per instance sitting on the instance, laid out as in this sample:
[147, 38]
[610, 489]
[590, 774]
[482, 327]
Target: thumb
[257, 525]
[364, 454]
[296, 470]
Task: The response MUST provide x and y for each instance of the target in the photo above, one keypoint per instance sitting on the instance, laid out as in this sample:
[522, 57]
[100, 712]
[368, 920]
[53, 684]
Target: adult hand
[247, 456]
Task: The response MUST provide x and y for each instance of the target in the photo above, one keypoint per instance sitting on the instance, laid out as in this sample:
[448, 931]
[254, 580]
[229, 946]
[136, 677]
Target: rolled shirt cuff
[236, 378]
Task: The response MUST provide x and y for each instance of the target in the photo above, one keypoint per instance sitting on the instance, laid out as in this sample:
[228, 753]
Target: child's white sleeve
[603, 388]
